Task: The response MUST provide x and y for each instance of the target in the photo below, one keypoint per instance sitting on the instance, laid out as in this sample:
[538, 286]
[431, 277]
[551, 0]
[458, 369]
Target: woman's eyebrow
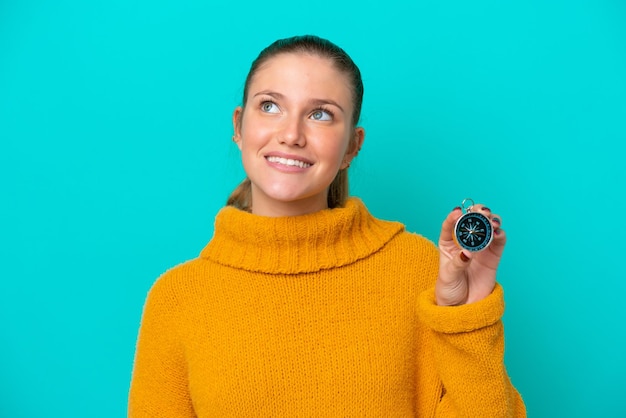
[270, 93]
[319, 102]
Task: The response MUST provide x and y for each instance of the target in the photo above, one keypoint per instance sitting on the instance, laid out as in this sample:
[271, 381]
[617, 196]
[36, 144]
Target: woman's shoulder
[179, 281]
[409, 259]
[411, 246]
[417, 239]
[411, 242]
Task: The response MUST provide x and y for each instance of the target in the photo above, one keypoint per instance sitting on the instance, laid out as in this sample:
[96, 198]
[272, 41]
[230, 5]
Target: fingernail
[464, 258]
[497, 231]
[486, 209]
[496, 220]
[457, 208]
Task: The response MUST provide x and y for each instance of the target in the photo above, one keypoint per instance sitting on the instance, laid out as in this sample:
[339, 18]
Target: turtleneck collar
[297, 244]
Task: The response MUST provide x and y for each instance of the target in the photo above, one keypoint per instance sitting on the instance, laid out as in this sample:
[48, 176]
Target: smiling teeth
[288, 161]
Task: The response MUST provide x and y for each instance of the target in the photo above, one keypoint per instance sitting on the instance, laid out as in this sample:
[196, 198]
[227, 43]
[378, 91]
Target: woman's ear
[354, 146]
[237, 115]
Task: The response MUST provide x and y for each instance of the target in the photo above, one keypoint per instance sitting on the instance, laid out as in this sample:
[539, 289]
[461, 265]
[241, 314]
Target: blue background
[116, 154]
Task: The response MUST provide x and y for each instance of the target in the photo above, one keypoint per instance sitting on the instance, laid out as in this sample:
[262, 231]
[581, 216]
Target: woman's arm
[463, 317]
[467, 343]
[159, 386]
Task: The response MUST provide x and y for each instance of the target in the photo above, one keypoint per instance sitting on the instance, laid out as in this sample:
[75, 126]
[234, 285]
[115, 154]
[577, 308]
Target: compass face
[473, 231]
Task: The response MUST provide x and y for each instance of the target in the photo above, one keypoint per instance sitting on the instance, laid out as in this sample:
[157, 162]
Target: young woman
[302, 303]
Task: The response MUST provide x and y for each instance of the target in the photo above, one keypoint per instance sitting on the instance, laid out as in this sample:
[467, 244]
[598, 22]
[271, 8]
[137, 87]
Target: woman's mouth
[287, 161]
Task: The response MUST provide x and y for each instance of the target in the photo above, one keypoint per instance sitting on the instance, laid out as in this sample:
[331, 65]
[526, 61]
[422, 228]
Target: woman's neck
[273, 208]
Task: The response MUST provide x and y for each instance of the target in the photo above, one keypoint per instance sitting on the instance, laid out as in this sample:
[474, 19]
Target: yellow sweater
[326, 314]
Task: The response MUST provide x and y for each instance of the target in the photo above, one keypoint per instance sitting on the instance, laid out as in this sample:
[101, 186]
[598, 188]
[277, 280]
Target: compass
[473, 231]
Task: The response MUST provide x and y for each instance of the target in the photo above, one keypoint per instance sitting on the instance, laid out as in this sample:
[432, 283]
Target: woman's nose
[292, 132]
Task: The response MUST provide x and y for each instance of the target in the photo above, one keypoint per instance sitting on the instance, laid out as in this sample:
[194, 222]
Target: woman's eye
[321, 115]
[269, 107]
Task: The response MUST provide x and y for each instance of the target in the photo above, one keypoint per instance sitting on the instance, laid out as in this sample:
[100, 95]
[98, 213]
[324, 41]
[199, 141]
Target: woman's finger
[447, 228]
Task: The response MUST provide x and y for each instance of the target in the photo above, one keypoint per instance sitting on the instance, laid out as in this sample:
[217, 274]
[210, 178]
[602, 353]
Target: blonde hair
[338, 191]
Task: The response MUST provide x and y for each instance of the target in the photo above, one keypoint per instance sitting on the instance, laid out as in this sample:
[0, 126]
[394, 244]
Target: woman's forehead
[301, 71]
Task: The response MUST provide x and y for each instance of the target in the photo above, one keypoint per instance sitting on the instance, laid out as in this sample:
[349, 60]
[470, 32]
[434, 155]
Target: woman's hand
[464, 276]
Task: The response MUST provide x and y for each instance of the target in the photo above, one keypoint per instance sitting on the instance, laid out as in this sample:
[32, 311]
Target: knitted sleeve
[159, 386]
[468, 346]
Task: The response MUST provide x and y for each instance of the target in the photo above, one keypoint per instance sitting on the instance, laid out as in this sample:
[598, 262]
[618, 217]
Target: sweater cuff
[463, 318]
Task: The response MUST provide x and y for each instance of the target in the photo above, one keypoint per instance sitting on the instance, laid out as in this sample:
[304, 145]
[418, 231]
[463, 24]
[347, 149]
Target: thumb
[456, 267]
[452, 288]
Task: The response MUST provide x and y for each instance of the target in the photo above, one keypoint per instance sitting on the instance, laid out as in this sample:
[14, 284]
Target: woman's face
[295, 133]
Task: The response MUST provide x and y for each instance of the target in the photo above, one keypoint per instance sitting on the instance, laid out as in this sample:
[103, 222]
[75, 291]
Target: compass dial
[473, 231]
